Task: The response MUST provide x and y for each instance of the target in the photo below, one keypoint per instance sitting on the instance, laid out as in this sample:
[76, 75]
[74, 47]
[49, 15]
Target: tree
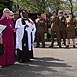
[56, 5]
[71, 6]
[70, 3]
[32, 5]
[38, 6]
[5, 4]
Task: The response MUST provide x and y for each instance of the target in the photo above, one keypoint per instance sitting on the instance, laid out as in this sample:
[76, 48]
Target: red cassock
[8, 56]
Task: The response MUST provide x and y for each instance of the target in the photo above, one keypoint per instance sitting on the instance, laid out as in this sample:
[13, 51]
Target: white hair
[11, 13]
[6, 9]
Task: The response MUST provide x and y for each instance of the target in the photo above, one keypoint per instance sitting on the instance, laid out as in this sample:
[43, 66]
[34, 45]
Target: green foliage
[4, 4]
[38, 6]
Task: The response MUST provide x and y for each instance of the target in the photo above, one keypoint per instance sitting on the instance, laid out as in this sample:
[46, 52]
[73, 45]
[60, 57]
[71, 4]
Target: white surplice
[20, 33]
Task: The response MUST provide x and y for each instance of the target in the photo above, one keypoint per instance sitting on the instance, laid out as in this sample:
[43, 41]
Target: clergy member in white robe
[25, 35]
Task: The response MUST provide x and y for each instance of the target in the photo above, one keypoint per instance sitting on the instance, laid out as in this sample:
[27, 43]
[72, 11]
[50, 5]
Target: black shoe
[51, 46]
[73, 46]
[23, 61]
[37, 46]
[20, 61]
[67, 46]
[64, 44]
[43, 46]
[28, 60]
[60, 47]
[4, 66]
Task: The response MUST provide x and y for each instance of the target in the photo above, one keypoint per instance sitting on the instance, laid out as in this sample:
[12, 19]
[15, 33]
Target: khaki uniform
[40, 25]
[63, 28]
[70, 29]
[55, 28]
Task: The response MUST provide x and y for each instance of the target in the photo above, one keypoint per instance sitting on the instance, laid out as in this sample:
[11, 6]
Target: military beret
[61, 12]
[39, 14]
[53, 12]
[70, 13]
[65, 14]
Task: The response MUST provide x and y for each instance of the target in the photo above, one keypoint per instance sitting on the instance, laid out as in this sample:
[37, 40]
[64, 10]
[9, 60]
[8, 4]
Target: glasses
[11, 15]
[7, 12]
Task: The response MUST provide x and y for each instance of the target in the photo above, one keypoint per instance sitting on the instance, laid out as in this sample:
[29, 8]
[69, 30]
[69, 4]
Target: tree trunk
[71, 6]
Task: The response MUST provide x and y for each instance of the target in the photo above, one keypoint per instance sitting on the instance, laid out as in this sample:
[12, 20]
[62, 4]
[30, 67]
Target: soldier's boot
[43, 46]
[51, 46]
[67, 46]
[43, 43]
[64, 42]
[73, 46]
[37, 45]
[59, 45]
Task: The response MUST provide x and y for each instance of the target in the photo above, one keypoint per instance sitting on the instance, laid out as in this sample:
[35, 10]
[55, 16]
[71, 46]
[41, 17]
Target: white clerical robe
[20, 33]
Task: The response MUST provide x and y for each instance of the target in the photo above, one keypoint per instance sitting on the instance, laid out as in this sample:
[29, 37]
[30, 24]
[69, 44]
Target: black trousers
[19, 54]
[1, 49]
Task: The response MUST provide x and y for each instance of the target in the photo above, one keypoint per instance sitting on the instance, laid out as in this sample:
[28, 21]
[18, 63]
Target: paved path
[48, 62]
